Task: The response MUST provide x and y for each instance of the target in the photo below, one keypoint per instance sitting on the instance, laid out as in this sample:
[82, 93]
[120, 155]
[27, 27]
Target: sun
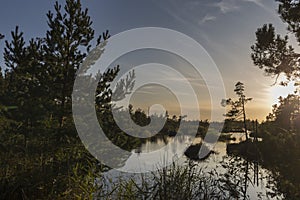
[277, 90]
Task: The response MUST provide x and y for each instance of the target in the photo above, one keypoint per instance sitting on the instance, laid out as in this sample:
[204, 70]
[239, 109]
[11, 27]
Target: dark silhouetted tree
[284, 113]
[273, 53]
[237, 108]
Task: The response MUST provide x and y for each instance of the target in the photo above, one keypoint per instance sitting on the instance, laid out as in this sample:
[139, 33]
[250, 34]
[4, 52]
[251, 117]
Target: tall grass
[187, 182]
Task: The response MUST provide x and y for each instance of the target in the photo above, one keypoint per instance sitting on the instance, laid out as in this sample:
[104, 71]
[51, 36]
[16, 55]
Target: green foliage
[175, 182]
[43, 158]
[286, 114]
[289, 11]
[69, 33]
[23, 79]
[281, 131]
[39, 145]
[272, 52]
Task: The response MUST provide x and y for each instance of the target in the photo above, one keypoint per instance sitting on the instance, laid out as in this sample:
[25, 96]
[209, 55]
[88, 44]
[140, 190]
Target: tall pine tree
[238, 110]
[66, 45]
[23, 75]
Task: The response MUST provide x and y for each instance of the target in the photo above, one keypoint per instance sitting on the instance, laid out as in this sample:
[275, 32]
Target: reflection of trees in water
[243, 167]
[242, 175]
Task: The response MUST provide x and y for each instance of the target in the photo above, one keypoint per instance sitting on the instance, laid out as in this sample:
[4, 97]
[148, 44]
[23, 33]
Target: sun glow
[277, 90]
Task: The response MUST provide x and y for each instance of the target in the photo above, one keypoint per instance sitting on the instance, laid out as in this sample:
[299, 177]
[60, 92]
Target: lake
[257, 182]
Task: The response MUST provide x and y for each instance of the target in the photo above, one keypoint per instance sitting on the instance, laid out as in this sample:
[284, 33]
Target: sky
[225, 28]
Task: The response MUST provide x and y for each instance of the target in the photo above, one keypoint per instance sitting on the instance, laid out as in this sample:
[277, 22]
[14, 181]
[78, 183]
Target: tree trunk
[244, 117]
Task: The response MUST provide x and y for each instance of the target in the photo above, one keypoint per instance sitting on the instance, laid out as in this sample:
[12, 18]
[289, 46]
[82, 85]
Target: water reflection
[251, 179]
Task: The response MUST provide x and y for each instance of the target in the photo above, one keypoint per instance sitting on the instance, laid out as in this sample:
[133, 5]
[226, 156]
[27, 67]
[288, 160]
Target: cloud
[257, 2]
[227, 6]
[260, 4]
[189, 12]
[207, 18]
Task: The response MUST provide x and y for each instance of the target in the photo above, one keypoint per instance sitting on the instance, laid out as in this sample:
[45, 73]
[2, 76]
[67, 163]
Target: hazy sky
[225, 28]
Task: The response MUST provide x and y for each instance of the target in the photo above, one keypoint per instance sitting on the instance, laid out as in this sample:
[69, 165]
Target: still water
[259, 182]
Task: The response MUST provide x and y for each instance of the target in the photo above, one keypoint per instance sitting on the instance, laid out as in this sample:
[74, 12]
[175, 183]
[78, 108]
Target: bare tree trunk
[244, 117]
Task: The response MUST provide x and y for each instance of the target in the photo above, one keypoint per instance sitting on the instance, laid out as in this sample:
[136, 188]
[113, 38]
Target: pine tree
[66, 45]
[238, 109]
[41, 74]
[284, 113]
[23, 76]
[273, 53]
